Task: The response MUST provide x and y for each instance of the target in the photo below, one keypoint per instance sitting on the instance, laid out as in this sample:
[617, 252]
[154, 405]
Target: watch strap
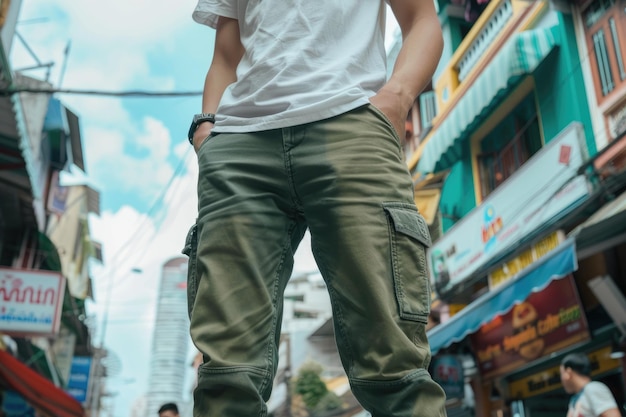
[196, 121]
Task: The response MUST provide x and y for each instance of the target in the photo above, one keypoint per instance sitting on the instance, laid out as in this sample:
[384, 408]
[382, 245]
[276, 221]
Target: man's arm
[422, 44]
[601, 400]
[613, 412]
[222, 72]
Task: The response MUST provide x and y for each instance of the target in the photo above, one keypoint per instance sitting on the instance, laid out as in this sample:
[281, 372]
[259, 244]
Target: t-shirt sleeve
[600, 397]
[208, 11]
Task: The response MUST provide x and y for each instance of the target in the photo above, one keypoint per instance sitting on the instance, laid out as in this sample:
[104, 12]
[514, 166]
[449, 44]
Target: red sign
[565, 154]
[545, 322]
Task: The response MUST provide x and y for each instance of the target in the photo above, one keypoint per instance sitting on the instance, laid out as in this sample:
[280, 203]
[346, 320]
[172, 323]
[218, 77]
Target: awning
[603, 229]
[36, 389]
[519, 56]
[560, 263]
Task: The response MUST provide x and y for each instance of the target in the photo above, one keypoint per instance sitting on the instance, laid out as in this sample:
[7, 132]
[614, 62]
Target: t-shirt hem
[270, 123]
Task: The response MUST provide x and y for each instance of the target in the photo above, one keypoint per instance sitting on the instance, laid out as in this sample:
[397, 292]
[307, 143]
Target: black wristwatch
[197, 120]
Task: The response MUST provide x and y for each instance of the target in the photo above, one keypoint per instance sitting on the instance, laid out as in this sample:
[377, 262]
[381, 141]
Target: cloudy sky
[136, 150]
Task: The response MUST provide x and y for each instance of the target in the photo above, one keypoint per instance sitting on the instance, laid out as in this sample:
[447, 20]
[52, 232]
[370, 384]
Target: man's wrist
[405, 97]
[197, 120]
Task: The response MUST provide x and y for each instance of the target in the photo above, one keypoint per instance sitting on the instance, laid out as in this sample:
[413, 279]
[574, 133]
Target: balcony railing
[494, 23]
[485, 37]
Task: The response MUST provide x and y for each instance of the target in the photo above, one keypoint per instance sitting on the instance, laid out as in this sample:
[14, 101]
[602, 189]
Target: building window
[419, 121]
[605, 28]
[508, 146]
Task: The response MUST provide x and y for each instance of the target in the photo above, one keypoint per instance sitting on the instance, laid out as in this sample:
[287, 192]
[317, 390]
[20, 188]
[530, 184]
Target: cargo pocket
[191, 250]
[409, 239]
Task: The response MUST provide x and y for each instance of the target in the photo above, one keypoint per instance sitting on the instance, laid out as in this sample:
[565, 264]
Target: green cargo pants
[344, 178]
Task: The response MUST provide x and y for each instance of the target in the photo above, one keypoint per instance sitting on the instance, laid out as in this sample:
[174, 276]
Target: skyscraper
[170, 343]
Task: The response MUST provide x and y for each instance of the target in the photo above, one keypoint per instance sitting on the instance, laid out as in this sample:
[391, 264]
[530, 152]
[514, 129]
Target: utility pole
[287, 377]
[101, 352]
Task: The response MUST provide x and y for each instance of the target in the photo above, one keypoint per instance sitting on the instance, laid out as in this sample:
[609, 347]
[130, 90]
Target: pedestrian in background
[300, 128]
[168, 410]
[590, 398]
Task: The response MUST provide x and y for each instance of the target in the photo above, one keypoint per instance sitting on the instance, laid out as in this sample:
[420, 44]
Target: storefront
[560, 290]
[32, 305]
[517, 334]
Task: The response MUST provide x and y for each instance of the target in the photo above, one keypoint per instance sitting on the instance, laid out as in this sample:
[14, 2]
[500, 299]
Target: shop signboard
[78, 383]
[542, 191]
[448, 373]
[549, 379]
[30, 302]
[545, 322]
[518, 265]
[57, 197]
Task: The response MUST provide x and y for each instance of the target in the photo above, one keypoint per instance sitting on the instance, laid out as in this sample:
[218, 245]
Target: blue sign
[14, 405]
[448, 372]
[78, 383]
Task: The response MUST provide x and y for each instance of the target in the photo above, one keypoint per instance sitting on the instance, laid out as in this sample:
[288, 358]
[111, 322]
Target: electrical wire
[147, 217]
[128, 93]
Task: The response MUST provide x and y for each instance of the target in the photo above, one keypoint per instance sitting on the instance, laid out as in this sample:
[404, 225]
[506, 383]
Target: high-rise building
[170, 343]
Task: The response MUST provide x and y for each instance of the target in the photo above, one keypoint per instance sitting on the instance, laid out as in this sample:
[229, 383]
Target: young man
[589, 399]
[299, 129]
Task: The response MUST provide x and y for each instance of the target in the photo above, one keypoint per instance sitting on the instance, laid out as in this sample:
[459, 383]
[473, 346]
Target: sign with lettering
[550, 379]
[545, 322]
[448, 373]
[30, 302]
[542, 191]
[78, 383]
[517, 265]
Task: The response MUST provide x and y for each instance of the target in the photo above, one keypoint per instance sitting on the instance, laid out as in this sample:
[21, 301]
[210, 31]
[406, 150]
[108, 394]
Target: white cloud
[111, 43]
[113, 168]
[112, 36]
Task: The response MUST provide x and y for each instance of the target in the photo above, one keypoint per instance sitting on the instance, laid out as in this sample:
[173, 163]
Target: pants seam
[272, 335]
[338, 318]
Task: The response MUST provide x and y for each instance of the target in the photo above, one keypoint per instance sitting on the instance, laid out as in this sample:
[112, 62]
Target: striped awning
[519, 56]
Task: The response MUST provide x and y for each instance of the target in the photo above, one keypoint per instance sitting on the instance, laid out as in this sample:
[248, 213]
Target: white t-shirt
[592, 401]
[305, 60]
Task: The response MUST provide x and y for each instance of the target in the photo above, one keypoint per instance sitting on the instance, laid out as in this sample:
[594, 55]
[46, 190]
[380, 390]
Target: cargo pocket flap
[190, 239]
[410, 223]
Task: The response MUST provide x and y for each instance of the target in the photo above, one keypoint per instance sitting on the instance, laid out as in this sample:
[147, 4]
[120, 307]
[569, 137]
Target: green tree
[309, 384]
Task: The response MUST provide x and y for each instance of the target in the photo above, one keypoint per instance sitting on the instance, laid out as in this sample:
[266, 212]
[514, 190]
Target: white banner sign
[30, 301]
[538, 194]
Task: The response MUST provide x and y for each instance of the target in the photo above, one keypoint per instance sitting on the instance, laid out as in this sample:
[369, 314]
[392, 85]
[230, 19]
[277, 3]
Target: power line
[129, 93]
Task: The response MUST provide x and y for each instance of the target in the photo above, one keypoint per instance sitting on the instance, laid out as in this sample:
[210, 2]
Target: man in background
[168, 410]
[589, 398]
